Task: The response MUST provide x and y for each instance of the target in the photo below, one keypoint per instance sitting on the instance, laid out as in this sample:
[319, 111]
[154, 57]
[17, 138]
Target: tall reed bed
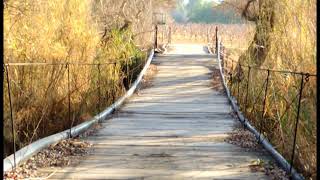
[82, 75]
[289, 43]
[204, 33]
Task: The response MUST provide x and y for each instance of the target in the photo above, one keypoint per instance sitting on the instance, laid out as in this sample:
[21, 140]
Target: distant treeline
[201, 11]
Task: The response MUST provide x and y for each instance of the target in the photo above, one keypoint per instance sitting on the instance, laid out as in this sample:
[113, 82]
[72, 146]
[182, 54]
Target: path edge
[29, 150]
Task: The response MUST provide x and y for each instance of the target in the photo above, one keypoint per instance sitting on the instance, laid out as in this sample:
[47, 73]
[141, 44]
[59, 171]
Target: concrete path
[172, 130]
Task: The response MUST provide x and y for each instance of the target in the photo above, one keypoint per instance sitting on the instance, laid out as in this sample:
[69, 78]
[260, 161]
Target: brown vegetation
[284, 39]
[92, 51]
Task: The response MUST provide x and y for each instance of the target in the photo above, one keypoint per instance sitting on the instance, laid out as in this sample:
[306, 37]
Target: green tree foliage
[200, 11]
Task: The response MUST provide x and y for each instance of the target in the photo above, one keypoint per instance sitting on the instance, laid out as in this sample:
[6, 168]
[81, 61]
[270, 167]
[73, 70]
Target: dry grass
[59, 32]
[205, 33]
[291, 47]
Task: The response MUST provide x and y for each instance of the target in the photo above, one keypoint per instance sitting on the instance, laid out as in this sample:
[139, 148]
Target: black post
[231, 83]
[169, 38]
[11, 117]
[156, 37]
[264, 103]
[297, 120]
[216, 39]
[127, 68]
[69, 99]
[99, 90]
[239, 84]
[114, 83]
[246, 98]
[226, 62]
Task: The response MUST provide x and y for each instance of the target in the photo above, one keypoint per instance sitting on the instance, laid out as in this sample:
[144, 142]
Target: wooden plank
[175, 129]
[102, 173]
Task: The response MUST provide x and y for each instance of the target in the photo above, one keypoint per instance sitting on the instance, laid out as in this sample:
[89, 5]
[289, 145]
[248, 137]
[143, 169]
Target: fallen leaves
[147, 78]
[60, 154]
[216, 80]
[245, 139]
[93, 129]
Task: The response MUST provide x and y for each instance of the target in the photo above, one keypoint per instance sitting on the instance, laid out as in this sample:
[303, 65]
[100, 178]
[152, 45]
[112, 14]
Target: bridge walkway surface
[174, 129]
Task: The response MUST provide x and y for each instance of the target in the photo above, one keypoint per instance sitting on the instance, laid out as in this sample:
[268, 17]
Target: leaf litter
[147, 78]
[245, 139]
[63, 153]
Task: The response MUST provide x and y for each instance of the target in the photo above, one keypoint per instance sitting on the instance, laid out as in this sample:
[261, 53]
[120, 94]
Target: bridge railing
[41, 99]
[163, 34]
[280, 104]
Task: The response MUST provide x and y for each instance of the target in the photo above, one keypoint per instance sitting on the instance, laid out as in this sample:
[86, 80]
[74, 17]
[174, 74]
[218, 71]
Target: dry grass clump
[55, 31]
[286, 41]
[59, 32]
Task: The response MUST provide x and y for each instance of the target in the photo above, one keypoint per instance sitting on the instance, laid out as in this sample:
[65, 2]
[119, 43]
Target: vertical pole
[99, 90]
[128, 76]
[238, 95]
[246, 98]
[247, 90]
[226, 63]
[156, 37]
[264, 104]
[114, 83]
[69, 99]
[169, 39]
[216, 39]
[221, 49]
[11, 117]
[130, 73]
[297, 121]
[218, 51]
[231, 82]
[230, 77]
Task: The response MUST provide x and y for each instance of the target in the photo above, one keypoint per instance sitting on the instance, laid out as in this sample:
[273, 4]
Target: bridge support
[156, 37]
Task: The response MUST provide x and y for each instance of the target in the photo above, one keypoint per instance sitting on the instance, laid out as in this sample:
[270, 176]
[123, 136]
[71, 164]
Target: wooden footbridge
[174, 129]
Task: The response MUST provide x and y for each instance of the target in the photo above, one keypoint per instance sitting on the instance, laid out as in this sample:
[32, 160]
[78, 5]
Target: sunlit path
[174, 129]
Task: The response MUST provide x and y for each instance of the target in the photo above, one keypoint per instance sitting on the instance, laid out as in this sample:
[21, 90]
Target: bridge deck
[172, 130]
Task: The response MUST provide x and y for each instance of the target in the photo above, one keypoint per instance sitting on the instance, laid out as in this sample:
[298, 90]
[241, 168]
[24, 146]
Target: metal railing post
[216, 39]
[218, 50]
[169, 38]
[264, 104]
[247, 91]
[99, 90]
[297, 119]
[69, 99]
[238, 95]
[156, 37]
[114, 83]
[231, 80]
[221, 52]
[11, 117]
